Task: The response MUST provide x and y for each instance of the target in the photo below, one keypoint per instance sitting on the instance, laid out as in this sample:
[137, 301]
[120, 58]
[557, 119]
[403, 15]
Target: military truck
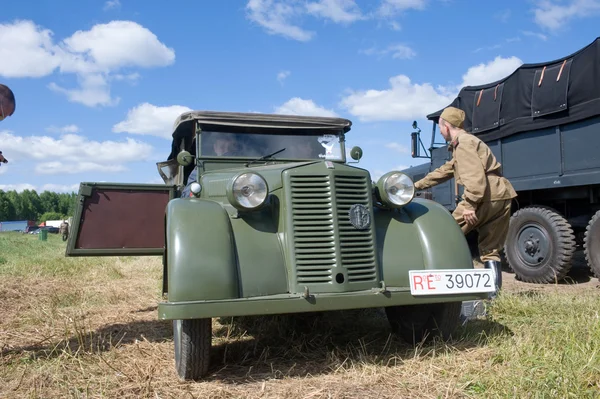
[261, 214]
[542, 123]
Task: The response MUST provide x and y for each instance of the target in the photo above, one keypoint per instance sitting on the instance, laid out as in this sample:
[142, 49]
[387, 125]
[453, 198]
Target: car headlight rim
[396, 189]
[247, 191]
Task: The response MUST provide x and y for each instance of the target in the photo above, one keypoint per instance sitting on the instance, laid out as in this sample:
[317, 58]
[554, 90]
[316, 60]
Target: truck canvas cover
[534, 96]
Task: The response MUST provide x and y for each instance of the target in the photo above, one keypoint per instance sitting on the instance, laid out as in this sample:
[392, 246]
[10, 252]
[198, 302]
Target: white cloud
[57, 188]
[402, 101]
[72, 153]
[151, 120]
[281, 76]
[555, 14]
[339, 11]
[26, 50]
[405, 100]
[276, 17]
[503, 16]
[110, 4]
[299, 106]
[534, 34]
[63, 129]
[17, 187]
[400, 148]
[94, 56]
[400, 51]
[390, 8]
[284, 17]
[494, 70]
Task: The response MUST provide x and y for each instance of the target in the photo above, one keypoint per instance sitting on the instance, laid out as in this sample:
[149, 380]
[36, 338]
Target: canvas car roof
[213, 120]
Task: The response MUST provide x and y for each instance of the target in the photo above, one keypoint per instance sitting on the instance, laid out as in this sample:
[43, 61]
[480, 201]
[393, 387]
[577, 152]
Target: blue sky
[99, 83]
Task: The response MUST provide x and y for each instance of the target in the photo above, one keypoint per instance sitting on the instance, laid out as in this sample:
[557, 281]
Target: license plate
[455, 281]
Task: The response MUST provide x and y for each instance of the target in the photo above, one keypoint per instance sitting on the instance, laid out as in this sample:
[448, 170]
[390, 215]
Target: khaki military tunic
[486, 191]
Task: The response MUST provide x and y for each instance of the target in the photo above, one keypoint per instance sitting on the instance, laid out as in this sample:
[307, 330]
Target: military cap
[454, 116]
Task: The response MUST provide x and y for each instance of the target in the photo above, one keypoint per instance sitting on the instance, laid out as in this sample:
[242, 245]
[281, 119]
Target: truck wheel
[421, 323]
[591, 244]
[539, 245]
[192, 340]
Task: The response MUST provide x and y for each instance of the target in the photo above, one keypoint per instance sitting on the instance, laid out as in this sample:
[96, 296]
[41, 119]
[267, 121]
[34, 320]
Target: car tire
[591, 244]
[424, 322]
[539, 245]
[192, 340]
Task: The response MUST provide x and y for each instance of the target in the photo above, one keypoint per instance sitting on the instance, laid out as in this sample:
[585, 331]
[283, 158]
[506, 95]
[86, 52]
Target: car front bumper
[298, 303]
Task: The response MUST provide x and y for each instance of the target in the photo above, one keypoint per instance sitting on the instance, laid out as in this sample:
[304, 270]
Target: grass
[88, 328]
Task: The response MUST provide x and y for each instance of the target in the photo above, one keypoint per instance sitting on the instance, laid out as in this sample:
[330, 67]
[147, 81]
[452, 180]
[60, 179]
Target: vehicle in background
[542, 123]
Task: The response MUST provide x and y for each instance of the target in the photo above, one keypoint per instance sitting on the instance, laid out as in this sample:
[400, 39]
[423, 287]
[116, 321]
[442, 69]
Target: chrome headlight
[247, 191]
[396, 189]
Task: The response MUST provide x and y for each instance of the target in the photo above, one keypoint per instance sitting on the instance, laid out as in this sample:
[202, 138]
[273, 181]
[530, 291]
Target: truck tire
[539, 245]
[192, 340]
[423, 322]
[591, 244]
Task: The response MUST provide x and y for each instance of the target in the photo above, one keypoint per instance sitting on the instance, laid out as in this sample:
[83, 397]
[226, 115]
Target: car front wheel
[192, 340]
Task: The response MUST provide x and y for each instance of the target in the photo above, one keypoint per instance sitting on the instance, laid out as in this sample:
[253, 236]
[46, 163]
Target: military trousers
[493, 219]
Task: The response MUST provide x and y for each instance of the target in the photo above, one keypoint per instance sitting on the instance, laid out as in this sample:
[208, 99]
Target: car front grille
[320, 208]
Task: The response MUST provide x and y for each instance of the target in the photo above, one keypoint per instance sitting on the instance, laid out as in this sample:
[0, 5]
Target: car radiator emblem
[360, 216]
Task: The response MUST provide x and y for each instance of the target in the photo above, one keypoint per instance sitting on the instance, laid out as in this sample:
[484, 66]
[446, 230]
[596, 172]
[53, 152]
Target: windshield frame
[339, 134]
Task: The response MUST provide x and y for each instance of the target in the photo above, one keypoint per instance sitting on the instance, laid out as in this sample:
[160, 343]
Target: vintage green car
[260, 214]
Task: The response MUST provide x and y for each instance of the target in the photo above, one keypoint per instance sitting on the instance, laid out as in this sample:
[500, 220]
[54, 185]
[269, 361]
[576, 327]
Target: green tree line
[28, 205]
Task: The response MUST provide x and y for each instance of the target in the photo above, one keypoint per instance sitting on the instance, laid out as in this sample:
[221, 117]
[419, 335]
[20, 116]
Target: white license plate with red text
[454, 281]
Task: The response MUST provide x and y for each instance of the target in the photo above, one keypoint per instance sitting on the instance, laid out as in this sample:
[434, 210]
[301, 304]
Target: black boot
[492, 264]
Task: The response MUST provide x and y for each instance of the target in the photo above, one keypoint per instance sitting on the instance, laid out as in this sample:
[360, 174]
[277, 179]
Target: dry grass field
[88, 328]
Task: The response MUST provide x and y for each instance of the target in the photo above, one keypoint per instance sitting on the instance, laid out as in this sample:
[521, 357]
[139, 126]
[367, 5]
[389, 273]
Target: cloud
[494, 70]
[398, 51]
[503, 16]
[299, 106]
[94, 56]
[534, 34]
[405, 100]
[57, 188]
[63, 129]
[284, 17]
[553, 15]
[72, 153]
[17, 187]
[276, 17]
[281, 76]
[110, 4]
[151, 120]
[60, 188]
[339, 11]
[390, 8]
[400, 148]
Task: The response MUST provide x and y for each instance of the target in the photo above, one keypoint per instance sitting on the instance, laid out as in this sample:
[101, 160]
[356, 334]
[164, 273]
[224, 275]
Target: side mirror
[414, 144]
[356, 153]
[184, 158]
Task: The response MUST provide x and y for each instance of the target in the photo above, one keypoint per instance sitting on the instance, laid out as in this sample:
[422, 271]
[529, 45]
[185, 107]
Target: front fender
[422, 235]
[201, 260]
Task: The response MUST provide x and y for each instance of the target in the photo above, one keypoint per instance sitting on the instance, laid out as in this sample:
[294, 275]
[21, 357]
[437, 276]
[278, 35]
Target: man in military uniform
[485, 206]
[64, 230]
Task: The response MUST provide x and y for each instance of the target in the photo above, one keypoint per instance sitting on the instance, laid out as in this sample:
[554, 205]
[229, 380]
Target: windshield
[255, 145]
